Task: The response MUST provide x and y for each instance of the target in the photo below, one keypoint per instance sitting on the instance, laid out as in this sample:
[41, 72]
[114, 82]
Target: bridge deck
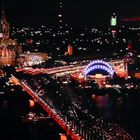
[50, 111]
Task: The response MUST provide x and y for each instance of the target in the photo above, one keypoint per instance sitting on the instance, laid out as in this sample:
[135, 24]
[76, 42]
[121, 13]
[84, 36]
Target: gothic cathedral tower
[9, 48]
[4, 26]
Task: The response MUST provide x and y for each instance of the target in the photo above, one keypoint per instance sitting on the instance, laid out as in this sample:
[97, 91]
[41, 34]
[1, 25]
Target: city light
[84, 78]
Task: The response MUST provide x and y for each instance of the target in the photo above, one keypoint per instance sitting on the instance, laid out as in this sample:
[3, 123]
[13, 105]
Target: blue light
[99, 64]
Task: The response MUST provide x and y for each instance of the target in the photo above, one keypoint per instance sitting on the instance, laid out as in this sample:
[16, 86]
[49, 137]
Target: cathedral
[9, 48]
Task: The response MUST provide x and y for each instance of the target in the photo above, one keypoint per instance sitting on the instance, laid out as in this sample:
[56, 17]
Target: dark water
[123, 110]
[13, 128]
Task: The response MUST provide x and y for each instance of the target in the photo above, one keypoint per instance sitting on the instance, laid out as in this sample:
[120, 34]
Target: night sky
[76, 12]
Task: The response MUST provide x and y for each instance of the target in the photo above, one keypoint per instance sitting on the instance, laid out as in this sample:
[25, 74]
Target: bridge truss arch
[99, 65]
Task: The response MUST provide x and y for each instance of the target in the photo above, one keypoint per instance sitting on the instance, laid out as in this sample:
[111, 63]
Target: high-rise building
[113, 20]
[9, 48]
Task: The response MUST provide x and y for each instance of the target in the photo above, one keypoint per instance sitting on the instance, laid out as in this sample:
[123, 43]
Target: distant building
[30, 59]
[113, 20]
[9, 48]
[70, 49]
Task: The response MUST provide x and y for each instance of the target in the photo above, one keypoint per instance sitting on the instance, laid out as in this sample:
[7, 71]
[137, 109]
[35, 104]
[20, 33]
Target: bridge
[45, 106]
[75, 128]
[66, 109]
[68, 69]
[72, 68]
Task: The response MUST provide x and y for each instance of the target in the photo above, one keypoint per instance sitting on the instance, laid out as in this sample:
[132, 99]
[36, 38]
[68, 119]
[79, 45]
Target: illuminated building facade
[9, 49]
[30, 59]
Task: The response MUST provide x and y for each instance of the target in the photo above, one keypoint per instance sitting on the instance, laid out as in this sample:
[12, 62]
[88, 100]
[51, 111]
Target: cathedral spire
[3, 17]
[4, 25]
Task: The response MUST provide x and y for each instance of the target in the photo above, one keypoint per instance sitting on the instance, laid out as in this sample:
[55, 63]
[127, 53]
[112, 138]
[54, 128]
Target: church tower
[4, 26]
[9, 48]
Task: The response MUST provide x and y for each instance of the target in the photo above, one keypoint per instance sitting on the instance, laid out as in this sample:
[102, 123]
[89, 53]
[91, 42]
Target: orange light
[70, 49]
[32, 104]
[63, 137]
[121, 73]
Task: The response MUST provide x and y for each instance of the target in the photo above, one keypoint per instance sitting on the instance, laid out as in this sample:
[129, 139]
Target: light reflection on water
[105, 105]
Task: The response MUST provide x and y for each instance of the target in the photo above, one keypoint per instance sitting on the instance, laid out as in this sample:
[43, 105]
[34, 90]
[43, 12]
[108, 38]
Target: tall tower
[9, 48]
[60, 37]
[4, 25]
[60, 18]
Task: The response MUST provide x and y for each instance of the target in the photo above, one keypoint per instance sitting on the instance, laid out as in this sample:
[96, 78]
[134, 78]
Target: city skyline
[77, 12]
